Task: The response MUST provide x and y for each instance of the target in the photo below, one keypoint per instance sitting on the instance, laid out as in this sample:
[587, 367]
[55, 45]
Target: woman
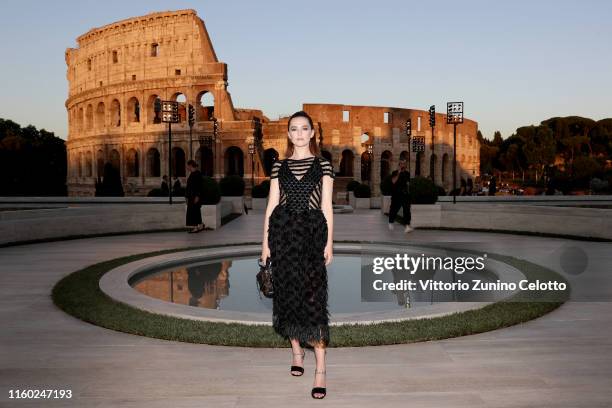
[193, 198]
[298, 229]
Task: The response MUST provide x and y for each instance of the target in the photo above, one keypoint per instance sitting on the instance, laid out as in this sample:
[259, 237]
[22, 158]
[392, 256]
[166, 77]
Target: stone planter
[362, 203]
[351, 199]
[237, 203]
[425, 215]
[259, 203]
[375, 202]
[212, 214]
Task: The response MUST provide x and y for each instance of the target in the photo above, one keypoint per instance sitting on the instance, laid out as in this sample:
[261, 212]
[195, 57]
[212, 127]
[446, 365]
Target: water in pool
[230, 285]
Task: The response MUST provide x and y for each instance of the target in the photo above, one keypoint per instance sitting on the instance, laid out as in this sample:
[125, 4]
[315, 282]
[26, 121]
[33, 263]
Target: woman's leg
[319, 381]
[298, 355]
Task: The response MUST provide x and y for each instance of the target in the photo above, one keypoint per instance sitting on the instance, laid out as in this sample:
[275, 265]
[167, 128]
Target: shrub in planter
[599, 186]
[441, 191]
[232, 186]
[157, 192]
[261, 190]
[423, 191]
[386, 185]
[211, 190]
[362, 191]
[352, 185]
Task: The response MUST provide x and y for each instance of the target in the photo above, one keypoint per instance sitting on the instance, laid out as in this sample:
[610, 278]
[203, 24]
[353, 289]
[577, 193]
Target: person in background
[400, 196]
[164, 185]
[193, 197]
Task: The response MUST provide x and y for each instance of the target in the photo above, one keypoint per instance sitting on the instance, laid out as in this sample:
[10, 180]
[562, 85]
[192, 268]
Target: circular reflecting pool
[229, 284]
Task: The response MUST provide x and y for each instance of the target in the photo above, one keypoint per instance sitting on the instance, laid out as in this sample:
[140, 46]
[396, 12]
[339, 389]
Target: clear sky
[513, 63]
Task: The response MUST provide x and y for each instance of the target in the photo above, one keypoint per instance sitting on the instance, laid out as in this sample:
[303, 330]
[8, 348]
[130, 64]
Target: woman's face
[300, 131]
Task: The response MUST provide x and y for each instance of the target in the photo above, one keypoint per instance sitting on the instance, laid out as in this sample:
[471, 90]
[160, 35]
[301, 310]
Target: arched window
[366, 166]
[115, 113]
[88, 164]
[205, 109]
[153, 163]
[133, 110]
[131, 163]
[100, 112]
[178, 162]
[346, 163]
[205, 159]
[234, 161]
[89, 117]
[385, 164]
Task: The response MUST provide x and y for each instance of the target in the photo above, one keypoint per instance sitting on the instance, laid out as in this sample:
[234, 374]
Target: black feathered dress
[297, 235]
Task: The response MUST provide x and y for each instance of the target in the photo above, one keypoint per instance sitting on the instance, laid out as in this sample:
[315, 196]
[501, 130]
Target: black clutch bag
[265, 285]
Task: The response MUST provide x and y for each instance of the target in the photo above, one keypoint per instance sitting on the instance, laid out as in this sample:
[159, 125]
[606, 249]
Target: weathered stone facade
[118, 71]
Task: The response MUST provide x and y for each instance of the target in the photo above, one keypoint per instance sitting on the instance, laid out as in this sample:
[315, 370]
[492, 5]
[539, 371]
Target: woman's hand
[328, 253]
[265, 254]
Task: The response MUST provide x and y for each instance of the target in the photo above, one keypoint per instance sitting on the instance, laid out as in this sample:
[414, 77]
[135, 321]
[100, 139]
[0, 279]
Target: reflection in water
[201, 285]
[207, 285]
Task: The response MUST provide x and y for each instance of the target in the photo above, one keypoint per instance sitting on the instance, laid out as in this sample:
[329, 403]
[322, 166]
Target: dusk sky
[512, 63]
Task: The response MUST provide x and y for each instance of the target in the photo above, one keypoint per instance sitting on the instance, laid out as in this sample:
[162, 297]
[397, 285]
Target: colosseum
[118, 71]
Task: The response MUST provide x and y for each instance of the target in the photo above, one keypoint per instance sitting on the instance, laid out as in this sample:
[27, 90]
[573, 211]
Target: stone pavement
[563, 359]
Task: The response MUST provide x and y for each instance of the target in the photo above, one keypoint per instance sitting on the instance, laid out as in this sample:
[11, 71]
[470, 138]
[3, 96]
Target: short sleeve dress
[297, 235]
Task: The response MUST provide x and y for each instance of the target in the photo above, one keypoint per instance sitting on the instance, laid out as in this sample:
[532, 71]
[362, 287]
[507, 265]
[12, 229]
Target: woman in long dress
[298, 238]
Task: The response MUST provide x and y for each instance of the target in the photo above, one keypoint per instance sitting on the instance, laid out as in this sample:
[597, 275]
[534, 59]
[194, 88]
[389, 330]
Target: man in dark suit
[400, 196]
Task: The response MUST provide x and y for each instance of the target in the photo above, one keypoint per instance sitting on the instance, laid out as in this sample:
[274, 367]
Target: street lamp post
[454, 115]
[252, 153]
[191, 121]
[170, 115]
[432, 123]
[409, 134]
[370, 148]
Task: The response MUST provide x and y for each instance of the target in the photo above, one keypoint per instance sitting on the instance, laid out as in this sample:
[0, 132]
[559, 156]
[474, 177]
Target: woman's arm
[273, 199]
[328, 211]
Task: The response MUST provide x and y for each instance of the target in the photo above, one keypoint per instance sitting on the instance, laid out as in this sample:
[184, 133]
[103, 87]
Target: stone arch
[385, 164]
[80, 119]
[433, 163]
[346, 163]
[100, 121]
[446, 170]
[420, 157]
[89, 117]
[100, 163]
[234, 161]
[153, 163]
[205, 108]
[133, 110]
[115, 159]
[152, 116]
[80, 164]
[366, 166]
[115, 113]
[132, 164]
[178, 162]
[182, 108]
[270, 156]
[206, 160]
[88, 164]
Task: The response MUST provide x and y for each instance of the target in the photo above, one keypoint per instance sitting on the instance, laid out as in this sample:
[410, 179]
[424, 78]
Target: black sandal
[299, 369]
[319, 390]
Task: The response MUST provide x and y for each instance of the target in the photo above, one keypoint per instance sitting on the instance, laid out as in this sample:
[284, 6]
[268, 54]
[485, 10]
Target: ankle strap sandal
[298, 369]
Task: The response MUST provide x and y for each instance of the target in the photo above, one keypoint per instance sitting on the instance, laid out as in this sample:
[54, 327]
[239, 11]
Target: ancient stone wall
[117, 71]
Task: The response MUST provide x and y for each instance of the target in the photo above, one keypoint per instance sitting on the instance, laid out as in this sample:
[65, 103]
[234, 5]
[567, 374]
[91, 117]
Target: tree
[539, 147]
